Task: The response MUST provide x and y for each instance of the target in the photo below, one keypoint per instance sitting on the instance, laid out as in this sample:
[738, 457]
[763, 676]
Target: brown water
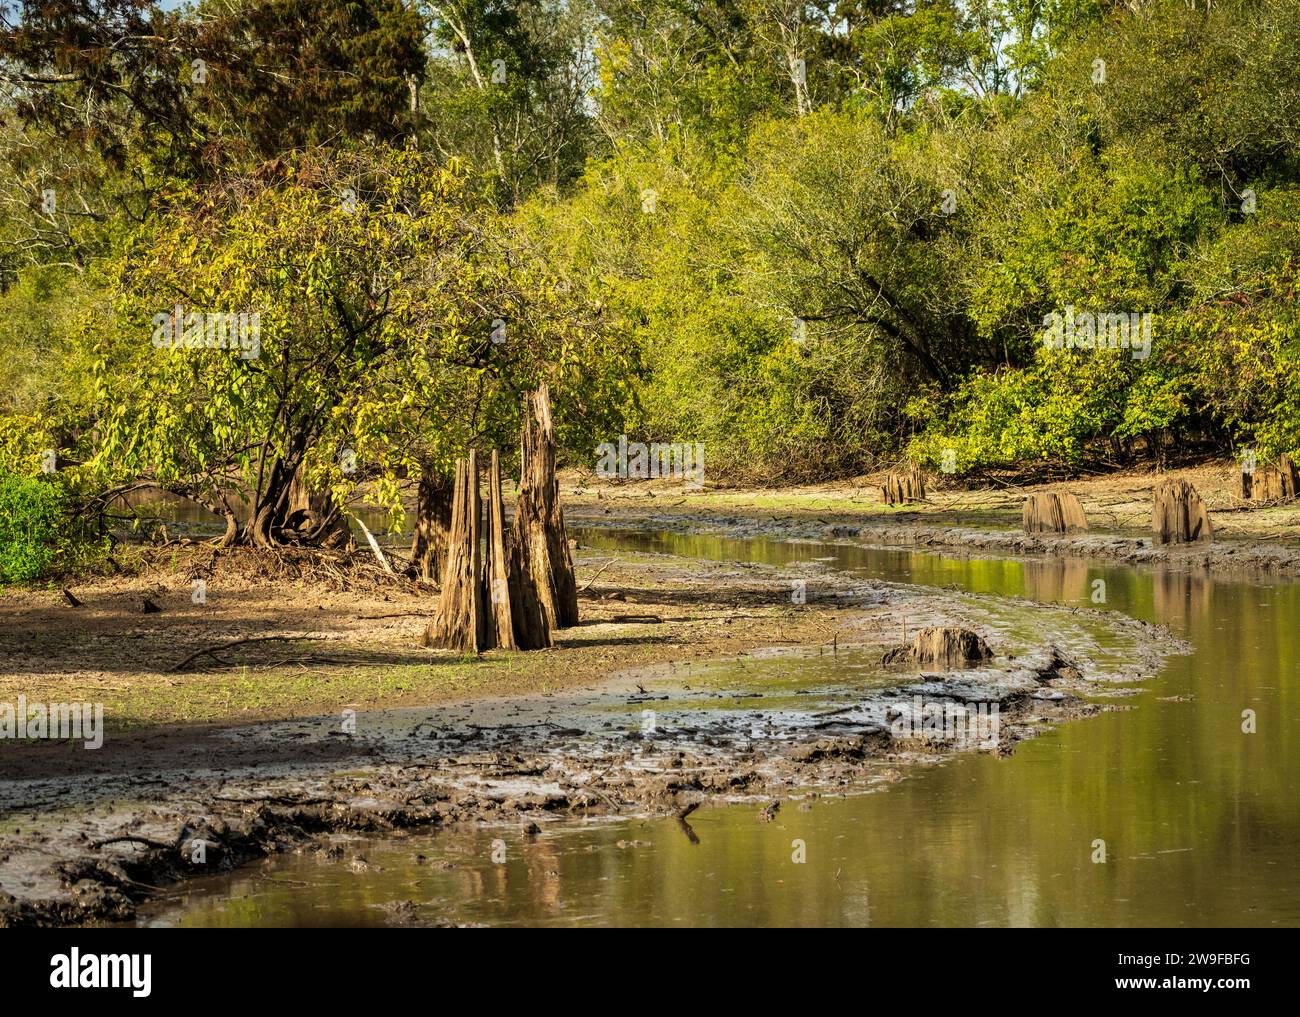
[1201, 822]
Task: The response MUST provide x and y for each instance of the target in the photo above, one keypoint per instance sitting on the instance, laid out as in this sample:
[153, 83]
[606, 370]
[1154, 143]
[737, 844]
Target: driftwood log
[1276, 483]
[538, 531]
[941, 645]
[1053, 512]
[1178, 516]
[903, 488]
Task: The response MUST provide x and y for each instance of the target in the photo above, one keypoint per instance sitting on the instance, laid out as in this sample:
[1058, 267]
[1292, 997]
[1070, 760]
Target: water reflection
[187, 518]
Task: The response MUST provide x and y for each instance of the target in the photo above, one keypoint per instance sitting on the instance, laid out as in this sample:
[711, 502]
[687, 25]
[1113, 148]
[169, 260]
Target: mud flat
[85, 843]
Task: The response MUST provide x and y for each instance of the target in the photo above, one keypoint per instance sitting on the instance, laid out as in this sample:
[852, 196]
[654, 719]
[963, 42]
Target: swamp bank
[696, 679]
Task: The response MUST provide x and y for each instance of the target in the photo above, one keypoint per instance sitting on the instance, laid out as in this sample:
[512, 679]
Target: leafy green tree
[685, 74]
[394, 330]
[850, 229]
[284, 75]
[508, 90]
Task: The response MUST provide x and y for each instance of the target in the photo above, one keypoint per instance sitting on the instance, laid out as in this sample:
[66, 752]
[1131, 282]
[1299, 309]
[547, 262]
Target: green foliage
[282, 75]
[35, 530]
[376, 281]
[815, 237]
[25, 440]
[1049, 412]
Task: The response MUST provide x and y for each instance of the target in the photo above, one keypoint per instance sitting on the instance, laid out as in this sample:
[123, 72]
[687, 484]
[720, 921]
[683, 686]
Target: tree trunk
[288, 513]
[903, 488]
[501, 629]
[539, 521]
[1276, 484]
[460, 622]
[313, 517]
[1053, 512]
[1178, 515]
[267, 511]
[432, 524]
[532, 631]
[231, 537]
[517, 619]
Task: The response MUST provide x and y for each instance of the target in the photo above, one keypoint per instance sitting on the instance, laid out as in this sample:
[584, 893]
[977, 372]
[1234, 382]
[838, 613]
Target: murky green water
[1201, 821]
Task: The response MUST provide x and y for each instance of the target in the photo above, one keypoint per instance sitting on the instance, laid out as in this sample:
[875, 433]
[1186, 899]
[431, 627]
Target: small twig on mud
[276, 799]
[601, 795]
[597, 575]
[132, 839]
[302, 662]
[238, 642]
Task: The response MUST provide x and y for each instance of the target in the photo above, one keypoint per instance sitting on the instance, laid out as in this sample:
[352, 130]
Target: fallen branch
[275, 800]
[597, 575]
[237, 642]
[374, 546]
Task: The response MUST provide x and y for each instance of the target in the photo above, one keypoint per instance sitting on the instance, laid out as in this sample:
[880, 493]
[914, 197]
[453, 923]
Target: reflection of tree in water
[543, 860]
[1181, 596]
[1064, 580]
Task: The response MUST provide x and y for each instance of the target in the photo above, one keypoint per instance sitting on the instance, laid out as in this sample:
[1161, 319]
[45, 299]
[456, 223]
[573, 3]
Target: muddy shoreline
[82, 846]
[1239, 555]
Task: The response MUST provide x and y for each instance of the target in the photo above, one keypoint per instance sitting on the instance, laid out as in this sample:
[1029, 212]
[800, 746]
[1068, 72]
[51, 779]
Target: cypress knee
[1178, 515]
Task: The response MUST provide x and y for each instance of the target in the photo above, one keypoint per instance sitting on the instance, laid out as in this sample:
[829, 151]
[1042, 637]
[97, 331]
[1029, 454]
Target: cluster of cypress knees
[523, 588]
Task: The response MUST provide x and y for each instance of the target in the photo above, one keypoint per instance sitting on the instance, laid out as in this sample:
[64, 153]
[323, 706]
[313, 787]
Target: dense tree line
[817, 236]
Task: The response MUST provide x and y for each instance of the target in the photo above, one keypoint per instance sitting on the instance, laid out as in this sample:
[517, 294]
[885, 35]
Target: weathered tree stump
[1053, 512]
[460, 622]
[432, 524]
[487, 600]
[1178, 516]
[501, 629]
[903, 488]
[538, 530]
[1276, 483]
[941, 645]
[517, 621]
[531, 629]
